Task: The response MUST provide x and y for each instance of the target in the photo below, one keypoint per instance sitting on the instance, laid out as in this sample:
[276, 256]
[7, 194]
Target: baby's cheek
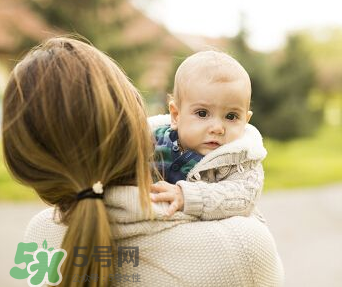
[234, 133]
[191, 130]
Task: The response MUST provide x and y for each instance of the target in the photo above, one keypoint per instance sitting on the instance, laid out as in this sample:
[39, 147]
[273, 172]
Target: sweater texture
[184, 250]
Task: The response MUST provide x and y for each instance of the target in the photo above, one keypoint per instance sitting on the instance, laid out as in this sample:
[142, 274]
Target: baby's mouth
[212, 144]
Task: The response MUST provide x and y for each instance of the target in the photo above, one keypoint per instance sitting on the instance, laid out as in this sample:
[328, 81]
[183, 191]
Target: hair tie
[94, 192]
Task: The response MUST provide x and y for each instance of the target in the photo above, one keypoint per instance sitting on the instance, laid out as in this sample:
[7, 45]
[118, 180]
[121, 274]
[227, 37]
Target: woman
[75, 130]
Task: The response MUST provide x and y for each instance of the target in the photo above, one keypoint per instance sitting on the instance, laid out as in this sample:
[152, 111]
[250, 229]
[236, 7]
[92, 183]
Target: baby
[209, 156]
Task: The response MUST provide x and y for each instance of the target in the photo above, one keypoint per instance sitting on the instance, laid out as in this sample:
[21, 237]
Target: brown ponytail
[71, 118]
[88, 227]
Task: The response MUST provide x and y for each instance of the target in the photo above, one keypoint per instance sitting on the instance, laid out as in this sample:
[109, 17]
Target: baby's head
[211, 100]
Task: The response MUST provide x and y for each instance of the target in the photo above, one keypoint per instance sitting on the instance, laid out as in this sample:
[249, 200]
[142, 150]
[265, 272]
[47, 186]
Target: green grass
[299, 163]
[304, 162]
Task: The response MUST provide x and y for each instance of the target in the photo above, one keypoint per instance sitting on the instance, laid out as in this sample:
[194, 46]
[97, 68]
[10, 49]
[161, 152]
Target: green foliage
[295, 78]
[281, 85]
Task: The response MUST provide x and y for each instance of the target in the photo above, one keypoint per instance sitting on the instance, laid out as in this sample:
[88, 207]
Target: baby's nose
[218, 127]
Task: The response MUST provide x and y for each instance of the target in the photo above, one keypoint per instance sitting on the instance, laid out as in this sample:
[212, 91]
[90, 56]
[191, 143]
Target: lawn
[299, 163]
[304, 162]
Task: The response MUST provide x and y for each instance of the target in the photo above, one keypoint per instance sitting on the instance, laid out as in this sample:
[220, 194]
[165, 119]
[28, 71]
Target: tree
[295, 77]
[105, 24]
[280, 87]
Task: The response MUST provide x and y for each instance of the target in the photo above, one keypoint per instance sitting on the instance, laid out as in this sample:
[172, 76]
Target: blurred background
[292, 51]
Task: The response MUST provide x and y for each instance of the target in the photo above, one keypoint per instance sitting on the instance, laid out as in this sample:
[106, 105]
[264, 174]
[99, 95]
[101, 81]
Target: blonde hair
[208, 67]
[72, 118]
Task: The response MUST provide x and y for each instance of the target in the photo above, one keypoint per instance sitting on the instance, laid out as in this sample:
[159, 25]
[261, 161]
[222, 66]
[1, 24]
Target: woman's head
[72, 118]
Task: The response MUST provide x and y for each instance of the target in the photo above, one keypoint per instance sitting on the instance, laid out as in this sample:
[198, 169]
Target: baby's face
[211, 115]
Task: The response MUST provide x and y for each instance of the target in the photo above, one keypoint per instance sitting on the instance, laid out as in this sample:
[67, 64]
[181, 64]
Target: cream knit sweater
[183, 250]
[226, 182]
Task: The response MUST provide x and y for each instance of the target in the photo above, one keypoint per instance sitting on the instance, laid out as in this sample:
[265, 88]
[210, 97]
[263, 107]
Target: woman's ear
[173, 109]
[249, 115]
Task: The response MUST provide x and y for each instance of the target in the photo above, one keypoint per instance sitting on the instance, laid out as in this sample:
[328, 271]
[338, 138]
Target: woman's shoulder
[43, 226]
[238, 251]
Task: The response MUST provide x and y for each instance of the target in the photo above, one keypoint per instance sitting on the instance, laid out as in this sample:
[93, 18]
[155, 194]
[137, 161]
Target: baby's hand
[168, 192]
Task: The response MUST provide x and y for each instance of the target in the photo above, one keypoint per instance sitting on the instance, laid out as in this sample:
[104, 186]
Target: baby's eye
[202, 113]
[231, 116]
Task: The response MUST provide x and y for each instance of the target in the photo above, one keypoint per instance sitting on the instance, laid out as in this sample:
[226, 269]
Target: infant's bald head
[208, 67]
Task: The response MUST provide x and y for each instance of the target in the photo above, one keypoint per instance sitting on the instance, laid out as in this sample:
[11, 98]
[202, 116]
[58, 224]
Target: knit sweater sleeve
[123, 205]
[235, 195]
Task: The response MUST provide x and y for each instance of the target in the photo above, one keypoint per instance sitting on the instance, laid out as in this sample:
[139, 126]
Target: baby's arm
[123, 204]
[235, 195]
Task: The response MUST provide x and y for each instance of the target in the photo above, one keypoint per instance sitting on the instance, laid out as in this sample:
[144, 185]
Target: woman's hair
[71, 118]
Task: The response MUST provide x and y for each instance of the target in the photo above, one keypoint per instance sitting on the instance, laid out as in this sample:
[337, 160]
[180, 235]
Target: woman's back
[231, 252]
[238, 251]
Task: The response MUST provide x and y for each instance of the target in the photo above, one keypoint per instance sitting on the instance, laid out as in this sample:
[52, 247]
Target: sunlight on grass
[304, 162]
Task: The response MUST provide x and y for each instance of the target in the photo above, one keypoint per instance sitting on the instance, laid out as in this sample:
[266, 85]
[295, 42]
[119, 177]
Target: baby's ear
[173, 109]
[249, 115]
